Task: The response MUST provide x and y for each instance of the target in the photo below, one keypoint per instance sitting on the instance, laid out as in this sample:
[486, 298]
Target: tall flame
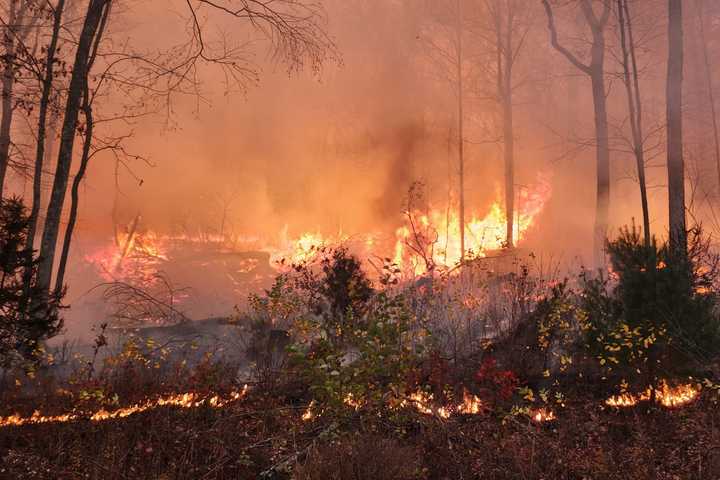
[433, 238]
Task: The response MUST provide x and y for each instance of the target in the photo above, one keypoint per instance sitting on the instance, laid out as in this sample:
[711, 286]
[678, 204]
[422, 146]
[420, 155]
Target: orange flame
[182, 400]
[542, 415]
[434, 237]
[666, 396]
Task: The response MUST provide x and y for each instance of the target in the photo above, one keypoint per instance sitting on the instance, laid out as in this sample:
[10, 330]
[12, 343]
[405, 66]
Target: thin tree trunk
[709, 81]
[75, 193]
[460, 139]
[602, 209]
[84, 161]
[40, 154]
[80, 72]
[509, 150]
[675, 161]
[595, 70]
[508, 139]
[632, 87]
[8, 82]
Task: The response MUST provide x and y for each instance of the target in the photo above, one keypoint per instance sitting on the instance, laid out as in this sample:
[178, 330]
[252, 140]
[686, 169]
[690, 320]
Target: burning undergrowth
[165, 267]
[474, 373]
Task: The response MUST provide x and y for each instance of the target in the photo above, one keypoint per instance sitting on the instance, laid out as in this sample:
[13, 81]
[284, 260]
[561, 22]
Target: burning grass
[182, 400]
[665, 395]
[264, 436]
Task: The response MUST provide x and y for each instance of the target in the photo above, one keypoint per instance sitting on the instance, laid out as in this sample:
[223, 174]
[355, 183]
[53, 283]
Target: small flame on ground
[472, 405]
[665, 395]
[542, 415]
[309, 413]
[424, 404]
[183, 400]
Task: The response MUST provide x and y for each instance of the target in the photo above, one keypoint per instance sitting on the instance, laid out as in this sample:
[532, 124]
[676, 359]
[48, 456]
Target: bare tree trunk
[40, 154]
[505, 44]
[632, 87]
[675, 161]
[596, 71]
[709, 81]
[75, 193]
[8, 82]
[96, 9]
[84, 160]
[460, 139]
[509, 150]
[602, 152]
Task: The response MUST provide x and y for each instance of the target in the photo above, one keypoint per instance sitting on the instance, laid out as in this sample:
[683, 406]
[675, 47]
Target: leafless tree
[596, 71]
[632, 87]
[15, 30]
[444, 38]
[47, 82]
[709, 80]
[675, 161]
[509, 30]
[295, 30]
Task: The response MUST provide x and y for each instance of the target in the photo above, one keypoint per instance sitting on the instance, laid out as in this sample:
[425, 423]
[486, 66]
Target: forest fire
[433, 238]
[182, 400]
[665, 395]
[439, 239]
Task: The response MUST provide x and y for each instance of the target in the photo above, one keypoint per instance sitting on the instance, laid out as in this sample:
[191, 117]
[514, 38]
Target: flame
[299, 250]
[182, 400]
[433, 239]
[309, 413]
[472, 405]
[665, 395]
[136, 258]
[350, 401]
[542, 415]
[424, 404]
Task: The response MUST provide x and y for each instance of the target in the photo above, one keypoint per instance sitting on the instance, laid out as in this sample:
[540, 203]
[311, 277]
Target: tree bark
[675, 161]
[710, 86]
[80, 73]
[632, 87]
[40, 154]
[602, 154]
[84, 160]
[460, 139]
[16, 17]
[596, 71]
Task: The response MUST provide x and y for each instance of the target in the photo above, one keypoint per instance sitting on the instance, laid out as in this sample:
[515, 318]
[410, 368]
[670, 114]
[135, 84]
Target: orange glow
[471, 405]
[182, 400]
[666, 396]
[309, 413]
[542, 415]
[435, 236]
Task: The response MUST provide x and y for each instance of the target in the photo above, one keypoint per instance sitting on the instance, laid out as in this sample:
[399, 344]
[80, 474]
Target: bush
[21, 331]
[373, 365]
[656, 314]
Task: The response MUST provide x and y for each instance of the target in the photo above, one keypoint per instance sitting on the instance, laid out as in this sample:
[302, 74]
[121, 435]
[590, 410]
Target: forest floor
[266, 435]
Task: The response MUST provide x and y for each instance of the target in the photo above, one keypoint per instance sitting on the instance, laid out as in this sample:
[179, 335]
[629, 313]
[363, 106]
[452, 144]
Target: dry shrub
[364, 457]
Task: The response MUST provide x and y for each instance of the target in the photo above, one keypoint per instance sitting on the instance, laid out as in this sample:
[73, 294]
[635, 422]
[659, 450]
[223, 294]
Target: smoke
[337, 152]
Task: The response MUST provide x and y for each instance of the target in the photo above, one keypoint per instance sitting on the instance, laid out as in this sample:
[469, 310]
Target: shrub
[21, 331]
[656, 314]
[372, 366]
[336, 289]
